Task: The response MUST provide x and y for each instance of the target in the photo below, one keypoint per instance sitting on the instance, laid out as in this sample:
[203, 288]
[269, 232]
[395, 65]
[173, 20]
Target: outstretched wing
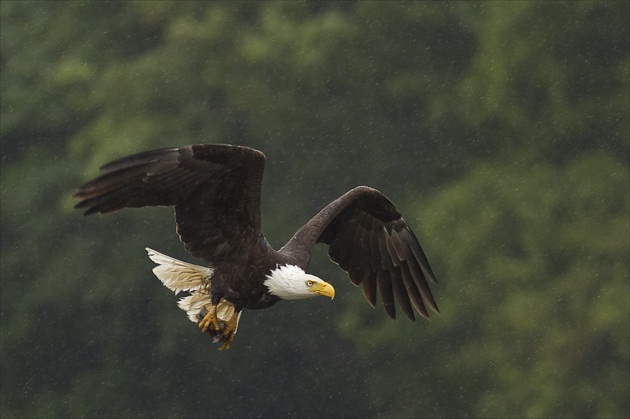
[215, 190]
[369, 239]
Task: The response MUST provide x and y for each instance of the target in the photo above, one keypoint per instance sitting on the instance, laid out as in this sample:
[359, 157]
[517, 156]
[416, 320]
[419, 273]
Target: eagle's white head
[289, 282]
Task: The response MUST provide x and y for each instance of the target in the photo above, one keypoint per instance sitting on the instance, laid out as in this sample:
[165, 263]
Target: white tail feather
[177, 275]
[182, 276]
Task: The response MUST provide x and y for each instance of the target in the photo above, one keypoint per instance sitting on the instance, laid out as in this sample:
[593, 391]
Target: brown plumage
[216, 192]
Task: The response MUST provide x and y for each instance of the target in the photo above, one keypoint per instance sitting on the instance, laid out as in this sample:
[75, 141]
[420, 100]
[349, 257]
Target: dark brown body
[249, 291]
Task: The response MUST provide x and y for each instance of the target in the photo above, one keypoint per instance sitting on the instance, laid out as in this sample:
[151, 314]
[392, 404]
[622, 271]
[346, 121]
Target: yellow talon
[223, 330]
[228, 332]
[210, 319]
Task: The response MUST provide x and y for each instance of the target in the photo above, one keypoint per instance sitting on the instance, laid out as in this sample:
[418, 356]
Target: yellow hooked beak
[324, 288]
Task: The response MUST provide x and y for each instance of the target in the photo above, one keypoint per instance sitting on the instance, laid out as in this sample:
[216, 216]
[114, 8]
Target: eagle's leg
[210, 319]
[229, 331]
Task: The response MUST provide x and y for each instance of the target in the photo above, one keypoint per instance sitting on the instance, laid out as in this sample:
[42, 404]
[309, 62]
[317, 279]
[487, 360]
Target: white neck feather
[287, 282]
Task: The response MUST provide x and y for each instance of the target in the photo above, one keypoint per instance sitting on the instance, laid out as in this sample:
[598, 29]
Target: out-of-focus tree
[549, 82]
[408, 97]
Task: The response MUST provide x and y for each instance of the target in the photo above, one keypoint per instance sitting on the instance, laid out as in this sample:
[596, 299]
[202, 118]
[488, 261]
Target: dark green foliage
[500, 130]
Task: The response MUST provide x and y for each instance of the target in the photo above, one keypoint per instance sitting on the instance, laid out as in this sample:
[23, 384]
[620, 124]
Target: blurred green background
[499, 129]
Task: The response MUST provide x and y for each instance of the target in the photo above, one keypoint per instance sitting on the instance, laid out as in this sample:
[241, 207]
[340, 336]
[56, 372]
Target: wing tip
[390, 310]
[88, 211]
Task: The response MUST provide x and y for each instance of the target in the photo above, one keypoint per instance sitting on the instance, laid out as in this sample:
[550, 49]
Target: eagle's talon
[210, 319]
[222, 331]
[227, 335]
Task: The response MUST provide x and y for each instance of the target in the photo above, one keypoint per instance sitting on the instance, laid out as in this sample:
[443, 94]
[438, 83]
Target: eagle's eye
[309, 283]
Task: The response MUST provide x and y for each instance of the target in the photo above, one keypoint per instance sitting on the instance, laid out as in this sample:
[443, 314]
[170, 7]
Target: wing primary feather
[419, 254]
[422, 286]
[369, 289]
[387, 293]
[114, 191]
[404, 252]
[410, 287]
[145, 157]
[401, 295]
[107, 202]
[110, 180]
[393, 255]
[382, 276]
[113, 200]
[394, 274]
[412, 291]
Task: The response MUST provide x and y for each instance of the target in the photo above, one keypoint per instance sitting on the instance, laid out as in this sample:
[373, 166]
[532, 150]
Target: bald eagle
[216, 192]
